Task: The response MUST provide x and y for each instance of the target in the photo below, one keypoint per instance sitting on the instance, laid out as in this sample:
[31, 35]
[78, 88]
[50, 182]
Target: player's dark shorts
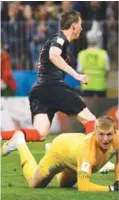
[94, 93]
[51, 98]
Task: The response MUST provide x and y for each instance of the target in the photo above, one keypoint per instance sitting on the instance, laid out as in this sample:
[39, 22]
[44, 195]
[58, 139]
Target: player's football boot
[11, 145]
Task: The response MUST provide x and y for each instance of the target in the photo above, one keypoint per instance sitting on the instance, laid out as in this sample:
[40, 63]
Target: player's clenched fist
[82, 78]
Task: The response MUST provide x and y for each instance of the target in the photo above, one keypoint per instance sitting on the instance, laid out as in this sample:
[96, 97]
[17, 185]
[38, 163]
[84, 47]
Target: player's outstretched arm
[84, 184]
[116, 170]
[58, 61]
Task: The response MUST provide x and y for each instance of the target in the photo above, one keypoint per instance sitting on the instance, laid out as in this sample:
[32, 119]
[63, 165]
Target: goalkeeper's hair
[105, 124]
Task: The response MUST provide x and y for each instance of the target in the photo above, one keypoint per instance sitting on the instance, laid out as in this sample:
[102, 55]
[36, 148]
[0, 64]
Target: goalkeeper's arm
[115, 186]
[116, 170]
[84, 184]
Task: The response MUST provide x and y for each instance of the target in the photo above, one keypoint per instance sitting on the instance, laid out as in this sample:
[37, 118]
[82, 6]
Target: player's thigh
[41, 122]
[67, 178]
[85, 115]
[48, 167]
[50, 164]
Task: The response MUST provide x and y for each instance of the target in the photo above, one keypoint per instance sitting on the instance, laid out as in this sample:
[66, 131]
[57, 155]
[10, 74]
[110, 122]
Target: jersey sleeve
[58, 41]
[84, 171]
[116, 147]
[116, 170]
[116, 141]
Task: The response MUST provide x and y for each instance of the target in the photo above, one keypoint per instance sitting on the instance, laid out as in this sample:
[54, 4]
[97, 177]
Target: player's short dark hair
[68, 18]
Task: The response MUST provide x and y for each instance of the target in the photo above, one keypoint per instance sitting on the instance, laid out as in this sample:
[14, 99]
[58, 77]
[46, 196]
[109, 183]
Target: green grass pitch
[14, 187]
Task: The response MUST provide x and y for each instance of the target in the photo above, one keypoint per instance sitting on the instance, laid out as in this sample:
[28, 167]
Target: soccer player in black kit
[50, 94]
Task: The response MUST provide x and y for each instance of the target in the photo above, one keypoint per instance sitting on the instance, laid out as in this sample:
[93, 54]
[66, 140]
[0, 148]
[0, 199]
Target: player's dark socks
[30, 134]
[89, 126]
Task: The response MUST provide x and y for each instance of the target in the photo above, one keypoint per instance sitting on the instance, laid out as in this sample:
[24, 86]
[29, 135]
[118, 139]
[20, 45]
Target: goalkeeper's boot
[108, 167]
[11, 145]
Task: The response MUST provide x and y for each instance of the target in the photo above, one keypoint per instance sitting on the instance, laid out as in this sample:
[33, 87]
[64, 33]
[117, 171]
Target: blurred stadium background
[25, 26]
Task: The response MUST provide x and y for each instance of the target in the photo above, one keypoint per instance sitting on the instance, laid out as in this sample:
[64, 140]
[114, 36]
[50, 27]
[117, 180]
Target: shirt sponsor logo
[85, 166]
[60, 41]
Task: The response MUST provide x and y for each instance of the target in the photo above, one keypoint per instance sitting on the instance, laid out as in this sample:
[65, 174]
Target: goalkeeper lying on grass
[73, 157]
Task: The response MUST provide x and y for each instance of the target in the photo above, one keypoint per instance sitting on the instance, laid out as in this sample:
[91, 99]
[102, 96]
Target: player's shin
[87, 119]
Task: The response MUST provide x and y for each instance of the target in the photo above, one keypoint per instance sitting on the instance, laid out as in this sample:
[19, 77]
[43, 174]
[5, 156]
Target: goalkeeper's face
[104, 139]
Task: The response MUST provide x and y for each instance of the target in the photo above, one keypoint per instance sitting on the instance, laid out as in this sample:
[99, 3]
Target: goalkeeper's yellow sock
[28, 162]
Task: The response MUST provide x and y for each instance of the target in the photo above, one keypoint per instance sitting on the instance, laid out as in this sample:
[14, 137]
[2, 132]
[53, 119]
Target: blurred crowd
[27, 24]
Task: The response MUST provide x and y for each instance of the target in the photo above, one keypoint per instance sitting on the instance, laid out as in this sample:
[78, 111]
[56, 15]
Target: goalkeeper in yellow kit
[72, 157]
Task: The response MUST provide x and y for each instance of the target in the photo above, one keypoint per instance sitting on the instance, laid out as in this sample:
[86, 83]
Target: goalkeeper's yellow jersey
[81, 153]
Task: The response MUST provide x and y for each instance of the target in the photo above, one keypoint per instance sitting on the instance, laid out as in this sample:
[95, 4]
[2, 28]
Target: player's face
[104, 140]
[77, 28]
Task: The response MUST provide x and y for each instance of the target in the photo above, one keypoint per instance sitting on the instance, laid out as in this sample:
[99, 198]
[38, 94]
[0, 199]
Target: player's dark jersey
[47, 72]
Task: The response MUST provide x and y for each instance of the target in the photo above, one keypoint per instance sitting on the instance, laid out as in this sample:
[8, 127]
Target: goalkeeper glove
[114, 187]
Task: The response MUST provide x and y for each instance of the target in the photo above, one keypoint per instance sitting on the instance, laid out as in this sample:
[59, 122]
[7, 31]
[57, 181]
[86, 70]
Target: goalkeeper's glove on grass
[114, 187]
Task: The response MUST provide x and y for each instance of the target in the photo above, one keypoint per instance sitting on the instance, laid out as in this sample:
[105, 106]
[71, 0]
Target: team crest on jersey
[60, 41]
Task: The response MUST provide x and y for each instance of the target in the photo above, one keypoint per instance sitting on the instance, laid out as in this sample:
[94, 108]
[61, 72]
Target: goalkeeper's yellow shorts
[51, 164]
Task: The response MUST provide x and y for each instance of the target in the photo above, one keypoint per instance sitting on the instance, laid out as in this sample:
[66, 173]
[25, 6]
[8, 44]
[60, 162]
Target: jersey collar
[64, 37]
